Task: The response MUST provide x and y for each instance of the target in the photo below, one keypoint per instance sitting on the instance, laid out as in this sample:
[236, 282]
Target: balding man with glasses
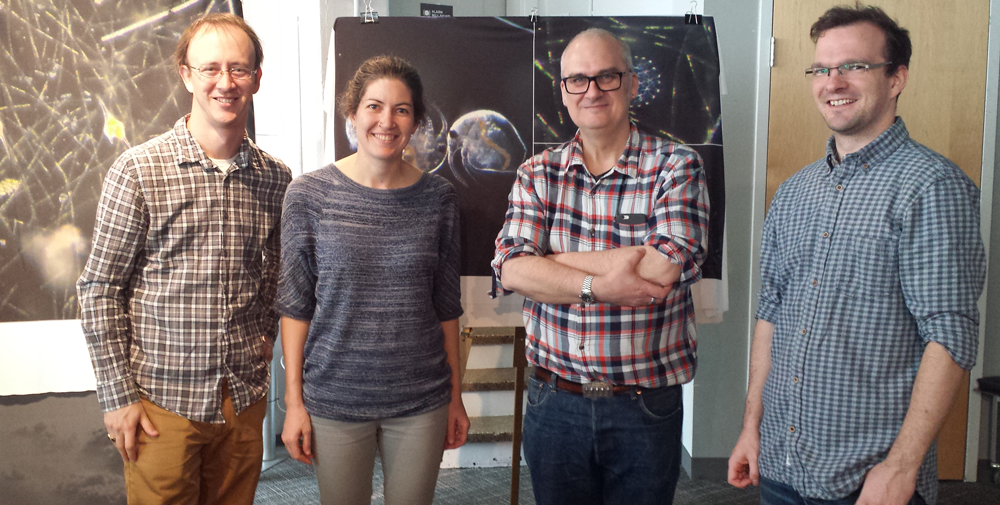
[604, 236]
[177, 295]
[871, 267]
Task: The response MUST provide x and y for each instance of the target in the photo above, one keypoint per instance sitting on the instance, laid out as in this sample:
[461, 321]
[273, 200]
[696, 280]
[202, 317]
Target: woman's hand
[458, 424]
[297, 434]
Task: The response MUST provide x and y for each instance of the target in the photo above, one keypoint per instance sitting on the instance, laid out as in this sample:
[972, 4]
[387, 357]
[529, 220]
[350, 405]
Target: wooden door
[943, 105]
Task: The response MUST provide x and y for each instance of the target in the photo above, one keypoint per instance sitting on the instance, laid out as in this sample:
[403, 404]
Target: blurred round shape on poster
[352, 136]
[487, 141]
[59, 255]
[428, 146]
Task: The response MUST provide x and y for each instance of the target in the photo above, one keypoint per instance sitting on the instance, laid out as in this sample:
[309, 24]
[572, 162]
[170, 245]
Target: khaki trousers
[198, 463]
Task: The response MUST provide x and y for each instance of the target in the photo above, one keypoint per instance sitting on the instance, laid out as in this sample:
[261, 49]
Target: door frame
[990, 160]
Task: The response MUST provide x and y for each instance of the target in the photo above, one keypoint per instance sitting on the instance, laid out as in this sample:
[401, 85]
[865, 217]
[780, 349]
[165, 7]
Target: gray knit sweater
[375, 272]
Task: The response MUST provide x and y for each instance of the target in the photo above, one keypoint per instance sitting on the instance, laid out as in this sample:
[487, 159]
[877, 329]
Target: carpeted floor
[291, 482]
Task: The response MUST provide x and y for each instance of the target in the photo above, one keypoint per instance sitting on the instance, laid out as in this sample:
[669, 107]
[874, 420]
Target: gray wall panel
[55, 451]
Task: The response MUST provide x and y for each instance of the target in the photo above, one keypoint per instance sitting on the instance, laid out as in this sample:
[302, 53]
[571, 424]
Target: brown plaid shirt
[177, 294]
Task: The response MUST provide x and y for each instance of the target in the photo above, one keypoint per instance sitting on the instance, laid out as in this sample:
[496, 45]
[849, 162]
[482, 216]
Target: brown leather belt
[546, 375]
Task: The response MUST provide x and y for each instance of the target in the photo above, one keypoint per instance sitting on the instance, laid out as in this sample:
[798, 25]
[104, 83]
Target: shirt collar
[876, 150]
[189, 151]
[628, 162]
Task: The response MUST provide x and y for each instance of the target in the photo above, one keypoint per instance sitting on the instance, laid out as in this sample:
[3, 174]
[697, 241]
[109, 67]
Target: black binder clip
[691, 18]
[369, 16]
[534, 15]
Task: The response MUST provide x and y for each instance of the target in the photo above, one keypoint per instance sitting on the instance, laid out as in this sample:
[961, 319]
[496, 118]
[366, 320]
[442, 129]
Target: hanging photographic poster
[492, 86]
[81, 81]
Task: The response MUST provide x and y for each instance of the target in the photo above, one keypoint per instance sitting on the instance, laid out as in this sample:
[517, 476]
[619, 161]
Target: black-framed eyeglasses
[579, 84]
[846, 70]
[212, 72]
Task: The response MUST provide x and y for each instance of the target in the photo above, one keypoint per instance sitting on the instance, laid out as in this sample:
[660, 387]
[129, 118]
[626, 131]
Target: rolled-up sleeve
[942, 266]
[679, 222]
[525, 228]
[772, 278]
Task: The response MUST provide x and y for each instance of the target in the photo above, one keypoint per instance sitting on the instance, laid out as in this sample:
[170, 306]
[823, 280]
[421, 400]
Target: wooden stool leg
[520, 363]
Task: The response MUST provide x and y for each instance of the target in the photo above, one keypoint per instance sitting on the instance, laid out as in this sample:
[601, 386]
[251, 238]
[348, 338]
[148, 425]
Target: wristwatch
[586, 294]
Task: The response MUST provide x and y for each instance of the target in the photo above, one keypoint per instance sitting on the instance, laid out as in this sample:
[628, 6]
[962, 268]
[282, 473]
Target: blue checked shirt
[863, 263]
[557, 206]
[177, 294]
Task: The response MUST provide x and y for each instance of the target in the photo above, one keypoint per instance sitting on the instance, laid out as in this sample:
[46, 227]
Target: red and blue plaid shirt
[557, 206]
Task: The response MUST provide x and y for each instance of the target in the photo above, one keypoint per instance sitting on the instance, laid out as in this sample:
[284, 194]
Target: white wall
[288, 107]
[723, 349]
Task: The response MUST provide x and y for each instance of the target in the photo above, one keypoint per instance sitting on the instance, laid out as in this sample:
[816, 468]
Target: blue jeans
[604, 451]
[773, 492]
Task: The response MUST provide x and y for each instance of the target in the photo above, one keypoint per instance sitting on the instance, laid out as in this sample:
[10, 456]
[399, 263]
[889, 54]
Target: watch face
[587, 297]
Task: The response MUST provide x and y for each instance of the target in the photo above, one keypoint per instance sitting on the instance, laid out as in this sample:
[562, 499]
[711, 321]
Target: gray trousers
[411, 450]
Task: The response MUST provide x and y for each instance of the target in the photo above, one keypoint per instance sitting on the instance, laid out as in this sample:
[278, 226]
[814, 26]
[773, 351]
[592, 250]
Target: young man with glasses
[604, 236]
[177, 294]
[872, 264]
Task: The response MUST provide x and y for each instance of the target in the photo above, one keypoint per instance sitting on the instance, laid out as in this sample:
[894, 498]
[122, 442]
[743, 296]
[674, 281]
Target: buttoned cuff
[117, 394]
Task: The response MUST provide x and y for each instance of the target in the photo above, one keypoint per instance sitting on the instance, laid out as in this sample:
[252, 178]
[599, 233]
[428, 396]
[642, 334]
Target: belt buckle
[598, 389]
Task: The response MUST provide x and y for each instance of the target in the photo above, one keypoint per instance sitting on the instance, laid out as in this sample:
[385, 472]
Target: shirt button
[840, 187]
[795, 380]
[865, 165]
[591, 232]
[804, 331]
[581, 347]
[826, 234]
[791, 429]
[815, 282]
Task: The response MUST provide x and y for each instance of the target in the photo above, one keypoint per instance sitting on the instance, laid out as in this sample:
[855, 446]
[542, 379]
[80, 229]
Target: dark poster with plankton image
[492, 90]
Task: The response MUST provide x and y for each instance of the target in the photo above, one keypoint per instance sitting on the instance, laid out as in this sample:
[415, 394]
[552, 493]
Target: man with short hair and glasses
[177, 295]
[871, 268]
[604, 236]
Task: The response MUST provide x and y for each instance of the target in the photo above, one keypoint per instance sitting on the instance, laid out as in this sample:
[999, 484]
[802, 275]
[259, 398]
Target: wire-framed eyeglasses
[580, 84]
[212, 72]
[845, 70]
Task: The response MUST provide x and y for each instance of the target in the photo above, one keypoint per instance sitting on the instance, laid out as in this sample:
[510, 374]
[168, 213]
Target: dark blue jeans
[773, 492]
[623, 450]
